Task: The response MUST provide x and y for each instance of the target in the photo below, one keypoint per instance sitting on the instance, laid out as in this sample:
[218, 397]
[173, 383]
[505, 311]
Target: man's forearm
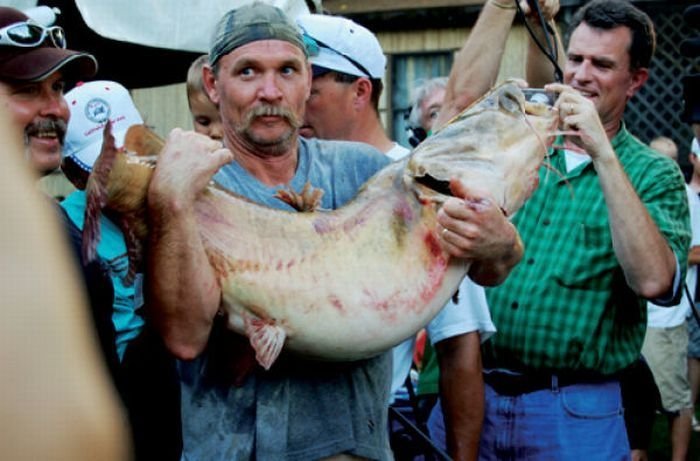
[493, 272]
[539, 70]
[644, 254]
[182, 290]
[461, 393]
[181, 287]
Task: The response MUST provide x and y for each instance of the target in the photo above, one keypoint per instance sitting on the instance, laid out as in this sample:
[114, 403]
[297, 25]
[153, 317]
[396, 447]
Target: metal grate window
[656, 109]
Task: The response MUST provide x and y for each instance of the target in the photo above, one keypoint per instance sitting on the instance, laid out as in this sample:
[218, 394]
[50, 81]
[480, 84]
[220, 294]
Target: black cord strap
[692, 303]
[551, 52]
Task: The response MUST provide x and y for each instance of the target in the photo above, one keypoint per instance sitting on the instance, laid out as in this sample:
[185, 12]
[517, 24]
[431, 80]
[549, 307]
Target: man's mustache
[48, 125]
[267, 110]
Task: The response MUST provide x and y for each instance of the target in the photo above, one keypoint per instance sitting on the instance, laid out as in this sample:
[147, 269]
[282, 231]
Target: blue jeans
[577, 422]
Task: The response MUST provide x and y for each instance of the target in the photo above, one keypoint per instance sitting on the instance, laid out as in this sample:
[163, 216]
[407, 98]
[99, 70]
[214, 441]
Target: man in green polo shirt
[601, 237]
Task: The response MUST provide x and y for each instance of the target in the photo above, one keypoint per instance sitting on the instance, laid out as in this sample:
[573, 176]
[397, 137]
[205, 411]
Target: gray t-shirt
[299, 410]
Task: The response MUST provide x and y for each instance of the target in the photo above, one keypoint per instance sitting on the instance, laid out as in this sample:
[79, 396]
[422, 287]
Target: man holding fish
[260, 77]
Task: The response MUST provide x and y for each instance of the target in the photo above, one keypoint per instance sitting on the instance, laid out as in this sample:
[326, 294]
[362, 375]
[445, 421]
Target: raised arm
[475, 70]
[539, 70]
[182, 289]
[476, 65]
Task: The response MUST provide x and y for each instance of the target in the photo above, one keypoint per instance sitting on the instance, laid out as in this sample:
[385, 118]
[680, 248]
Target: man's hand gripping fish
[350, 283]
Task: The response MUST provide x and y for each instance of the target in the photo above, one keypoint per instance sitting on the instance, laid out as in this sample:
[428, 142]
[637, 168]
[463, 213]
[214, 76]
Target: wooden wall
[513, 64]
[164, 107]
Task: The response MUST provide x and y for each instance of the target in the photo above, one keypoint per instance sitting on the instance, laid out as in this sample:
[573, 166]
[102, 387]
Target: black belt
[518, 384]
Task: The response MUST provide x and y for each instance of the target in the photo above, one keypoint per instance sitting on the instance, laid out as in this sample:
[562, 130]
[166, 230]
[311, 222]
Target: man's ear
[209, 83]
[638, 79]
[363, 92]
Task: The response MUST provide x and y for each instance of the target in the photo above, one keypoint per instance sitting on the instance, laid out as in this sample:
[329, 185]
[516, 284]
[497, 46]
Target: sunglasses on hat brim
[29, 35]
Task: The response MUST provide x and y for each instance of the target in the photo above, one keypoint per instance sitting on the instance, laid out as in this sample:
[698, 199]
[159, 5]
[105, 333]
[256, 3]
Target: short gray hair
[421, 91]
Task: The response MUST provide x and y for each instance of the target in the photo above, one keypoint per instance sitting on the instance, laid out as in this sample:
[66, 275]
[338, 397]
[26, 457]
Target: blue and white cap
[91, 104]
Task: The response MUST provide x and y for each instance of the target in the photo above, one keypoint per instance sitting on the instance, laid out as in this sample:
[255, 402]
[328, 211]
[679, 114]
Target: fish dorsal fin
[96, 192]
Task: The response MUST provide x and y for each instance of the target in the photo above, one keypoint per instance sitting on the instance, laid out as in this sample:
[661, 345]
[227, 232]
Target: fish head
[494, 148]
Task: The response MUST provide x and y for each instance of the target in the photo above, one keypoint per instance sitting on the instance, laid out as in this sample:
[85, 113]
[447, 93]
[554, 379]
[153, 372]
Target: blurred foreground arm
[57, 401]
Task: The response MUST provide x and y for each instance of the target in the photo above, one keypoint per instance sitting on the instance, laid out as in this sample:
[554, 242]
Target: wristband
[502, 5]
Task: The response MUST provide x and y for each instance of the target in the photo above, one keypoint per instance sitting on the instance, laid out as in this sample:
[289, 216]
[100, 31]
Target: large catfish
[349, 283]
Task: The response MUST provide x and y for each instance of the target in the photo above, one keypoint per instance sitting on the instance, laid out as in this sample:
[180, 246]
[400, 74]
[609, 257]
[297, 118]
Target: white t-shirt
[397, 152]
[666, 317]
[471, 313]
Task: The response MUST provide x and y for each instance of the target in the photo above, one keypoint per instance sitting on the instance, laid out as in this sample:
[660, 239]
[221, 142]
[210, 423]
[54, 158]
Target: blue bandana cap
[251, 23]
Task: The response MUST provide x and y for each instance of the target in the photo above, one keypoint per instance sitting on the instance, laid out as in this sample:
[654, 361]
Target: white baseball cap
[342, 45]
[91, 104]
[695, 147]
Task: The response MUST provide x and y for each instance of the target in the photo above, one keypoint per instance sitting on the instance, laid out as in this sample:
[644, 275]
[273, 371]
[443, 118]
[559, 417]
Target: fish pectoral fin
[266, 338]
[309, 199]
[96, 193]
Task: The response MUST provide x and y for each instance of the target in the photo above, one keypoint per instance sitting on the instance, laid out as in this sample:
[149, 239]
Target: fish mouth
[440, 186]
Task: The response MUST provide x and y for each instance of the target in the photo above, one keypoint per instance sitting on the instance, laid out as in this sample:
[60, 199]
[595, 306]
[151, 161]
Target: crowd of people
[588, 280]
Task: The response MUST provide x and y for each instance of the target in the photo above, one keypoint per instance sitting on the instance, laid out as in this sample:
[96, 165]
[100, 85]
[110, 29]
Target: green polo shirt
[566, 306]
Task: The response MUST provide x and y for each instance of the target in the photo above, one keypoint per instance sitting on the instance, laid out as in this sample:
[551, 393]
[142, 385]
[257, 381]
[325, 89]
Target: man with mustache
[260, 77]
[34, 67]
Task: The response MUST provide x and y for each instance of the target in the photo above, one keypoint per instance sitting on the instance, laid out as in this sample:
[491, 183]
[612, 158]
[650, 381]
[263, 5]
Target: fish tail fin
[96, 192]
[266, 338]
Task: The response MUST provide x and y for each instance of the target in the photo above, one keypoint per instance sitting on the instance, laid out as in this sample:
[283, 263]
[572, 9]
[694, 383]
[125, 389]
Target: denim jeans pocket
[592, 401]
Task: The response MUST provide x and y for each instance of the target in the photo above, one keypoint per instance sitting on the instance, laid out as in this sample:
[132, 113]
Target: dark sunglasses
[313, 46]
[29, 34]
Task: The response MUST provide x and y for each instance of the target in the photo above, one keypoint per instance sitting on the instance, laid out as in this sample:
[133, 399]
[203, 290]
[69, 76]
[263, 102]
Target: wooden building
[421, 36]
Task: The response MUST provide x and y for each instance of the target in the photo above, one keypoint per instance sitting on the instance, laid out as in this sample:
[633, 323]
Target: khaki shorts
[665, 350]
[693, 337]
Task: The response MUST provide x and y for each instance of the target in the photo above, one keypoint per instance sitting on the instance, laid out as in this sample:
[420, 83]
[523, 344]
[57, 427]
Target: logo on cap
[97, 110]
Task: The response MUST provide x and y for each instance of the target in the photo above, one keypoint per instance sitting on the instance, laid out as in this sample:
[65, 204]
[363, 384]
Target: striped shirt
[566, 306]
